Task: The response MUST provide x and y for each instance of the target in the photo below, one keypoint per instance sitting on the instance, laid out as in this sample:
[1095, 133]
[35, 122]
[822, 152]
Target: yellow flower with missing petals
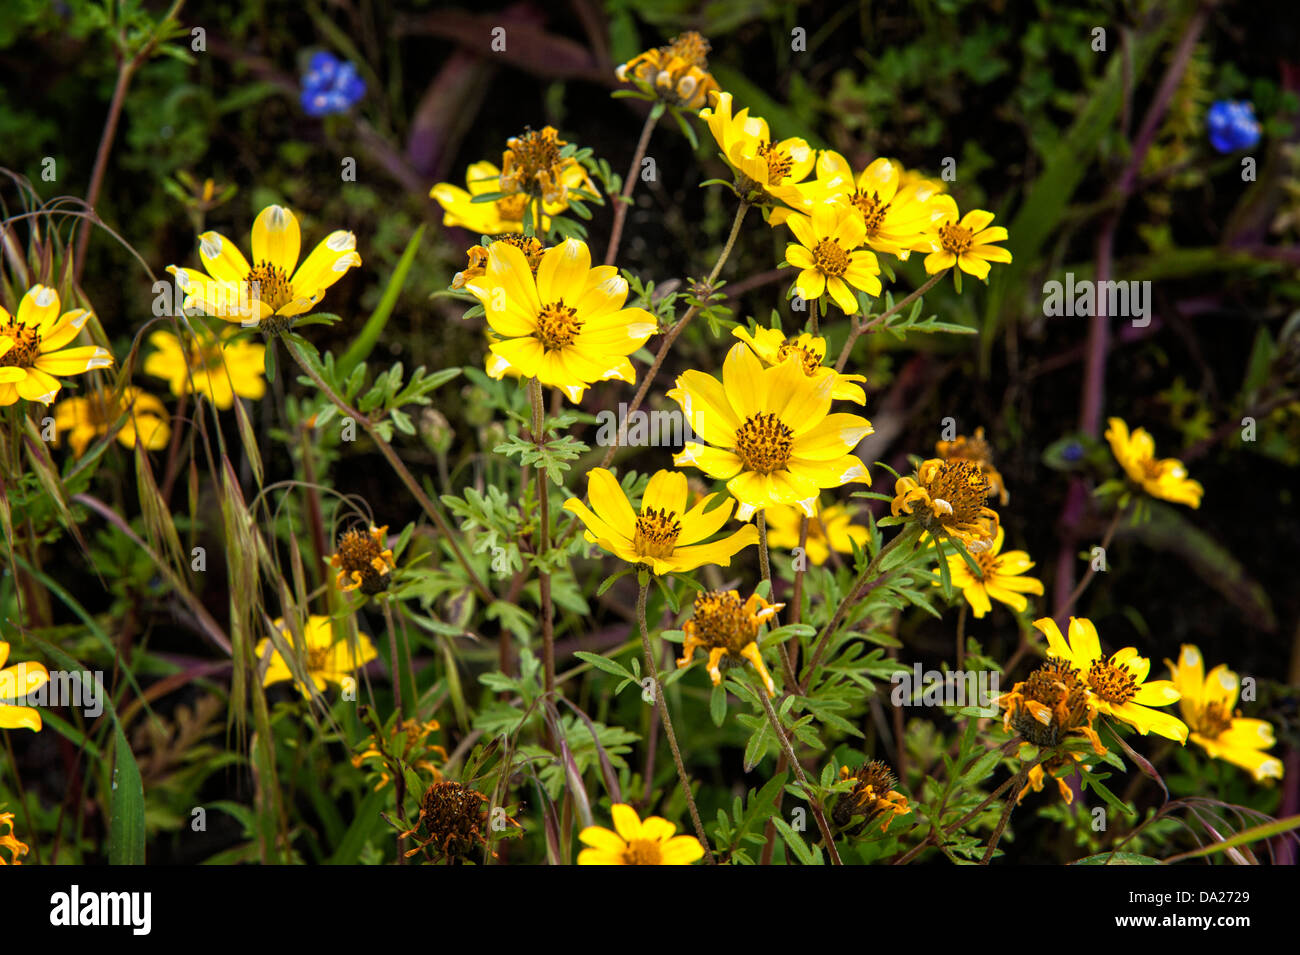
[1118, 685]
[772, 437]
[1207, 704]
[363, 562]
[16, 682]
[1165, 478]
[947, 497]
[217, 365]
[832, 529]
[139, 418]
[1000, 577]
[566, 326]
[32, 352]
[535, 165]
[664, 536]
[8, 840]
[967, 244]
[275, 288]
[326, 661]
[677, 73]
[499, 215]
[975, 449]
[771, 345]
[828, 256]
[728, 631]
[765, 170]
[872, 794]
[634, 842]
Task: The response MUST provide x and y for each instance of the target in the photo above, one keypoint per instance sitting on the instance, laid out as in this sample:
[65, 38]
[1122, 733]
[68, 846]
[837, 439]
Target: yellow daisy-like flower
[1000, 578]
[1165, 478]
[728, 631]
[897, 218]
[765, 170]
[677, 73]
[499, 215]
[535, 165]
[873, 794]
[32, 352]
[326, 661]
[828, 256]
[634, 842]
[975, 449]
[363, 562]
[1119, 685]
[566, 326]
[275, 288]
[773, 440]
[1207, 703]
[664, 536]
[832, 529]
[87, 417]
[948, 497]
[217, 365]
[8, 840]
[15, 683]
[773, 348]
[967, 244]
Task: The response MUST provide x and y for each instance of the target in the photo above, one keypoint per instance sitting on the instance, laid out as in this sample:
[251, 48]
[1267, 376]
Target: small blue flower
[330, 85]
[1232, 125]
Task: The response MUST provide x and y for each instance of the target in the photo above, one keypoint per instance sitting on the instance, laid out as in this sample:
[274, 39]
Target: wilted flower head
[363, 562]
[727, 628]
[677, 73]
[873, 793]
[948, 497]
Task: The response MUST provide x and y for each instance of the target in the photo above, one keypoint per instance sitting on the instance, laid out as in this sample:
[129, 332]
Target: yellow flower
[11, 842]
[414, 750]
[725, 627]
[217, 365]
[826, 256]
[270, 291]
[16, 682]
[773, 440]
[637, 843]
[664, 535]
[765, 170]
[363, 561]
[32, 352]
[677, 73]
[324, 660]
[85, 418]
[975, 449]
[948, 497]
[773, 348]
[535, 165]
[1207, 705]
[1119, 686]
[872, 794]
[968, 243]
[499, 215]
[1165, 478]
[831, 530]
[1000, 578]
[566, 326]
[897, 218]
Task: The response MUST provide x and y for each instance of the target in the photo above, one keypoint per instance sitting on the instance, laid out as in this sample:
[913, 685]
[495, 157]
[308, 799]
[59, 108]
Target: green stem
[629, 183]
[544, 541]
[860, 327]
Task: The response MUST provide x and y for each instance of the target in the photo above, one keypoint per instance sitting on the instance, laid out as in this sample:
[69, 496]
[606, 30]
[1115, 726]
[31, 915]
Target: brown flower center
[721, 621]
[656, 533]
[361, 552]
[763, 443]
[955, 238]
[778, 163]
[533, 164]
[811, 360]
[318, 659]
[557, 326]
[872, 209]
[269, 283]
[643, 852]
[690, 47]
[1053, 691]
[1114, 684]
[1214, 720]
[829, 258]
[963, 486]
[452, 814]
[26, 347]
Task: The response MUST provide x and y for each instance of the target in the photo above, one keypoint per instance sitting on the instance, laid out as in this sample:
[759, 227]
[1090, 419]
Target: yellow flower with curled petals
[17, 849]
[1208, 702]
[363, 562]
[769, 431]
[872, 794]
[275, 288]
[496, 216]
[326, 660]
[33, 356]
[1001, 577]
[947, 497]
[637, 842]
[677, 73]
[975, 448]
[728, 631]
[216, 364]
[1165, 478]
[1118, 685]
[765, 170]
[16, 682]
[536, 165]
[566, 326]
[831, 529]
[664, 536]
[773, 347]
[828, 256]
[134, 416]
[966, 242]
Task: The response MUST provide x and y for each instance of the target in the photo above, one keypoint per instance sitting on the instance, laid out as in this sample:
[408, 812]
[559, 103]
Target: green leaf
[126, 824]
[718, 705]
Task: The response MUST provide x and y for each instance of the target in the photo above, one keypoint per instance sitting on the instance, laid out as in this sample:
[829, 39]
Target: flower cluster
[1232, 125]
[330, 85]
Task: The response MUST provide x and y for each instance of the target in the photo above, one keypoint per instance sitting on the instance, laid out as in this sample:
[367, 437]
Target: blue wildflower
[1233, 125]
[330, 85]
